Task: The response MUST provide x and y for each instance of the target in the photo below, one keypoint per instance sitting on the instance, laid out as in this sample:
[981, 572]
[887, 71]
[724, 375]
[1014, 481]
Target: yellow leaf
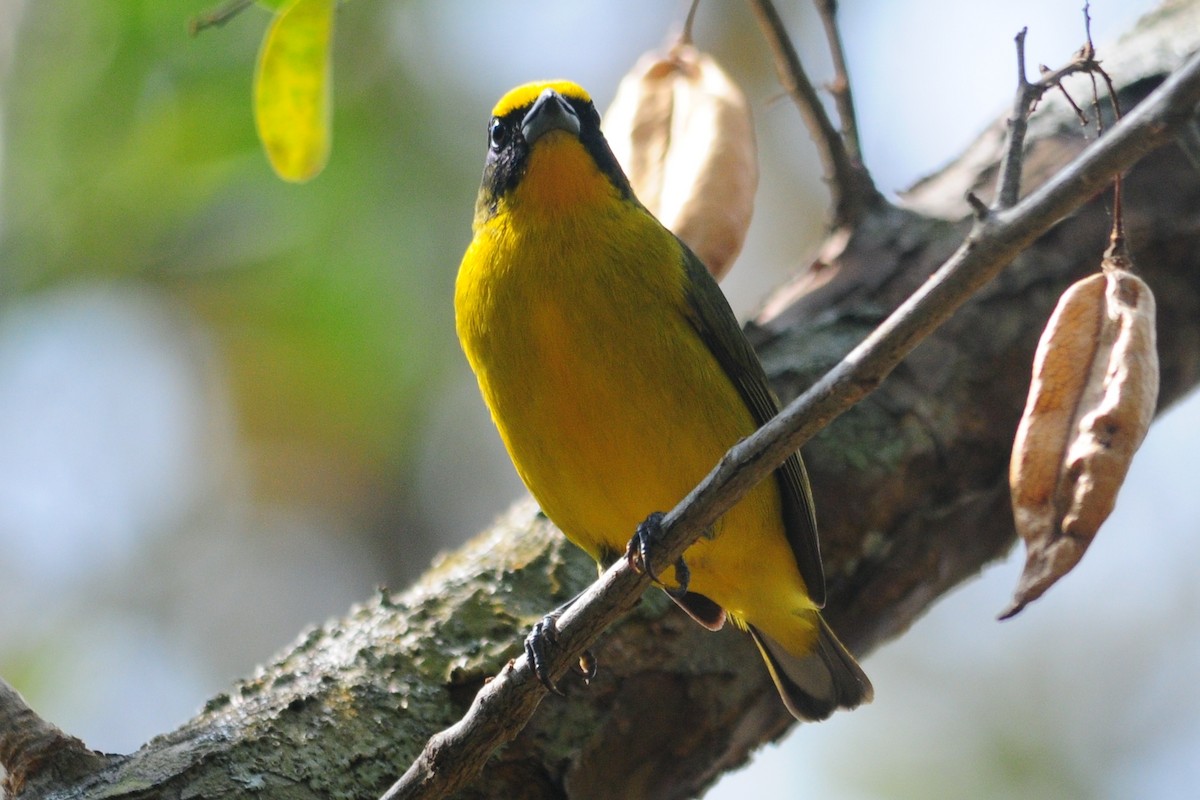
[292, 89]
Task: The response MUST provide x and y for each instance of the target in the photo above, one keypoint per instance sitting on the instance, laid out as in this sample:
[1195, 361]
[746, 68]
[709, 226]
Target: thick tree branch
[35, 755]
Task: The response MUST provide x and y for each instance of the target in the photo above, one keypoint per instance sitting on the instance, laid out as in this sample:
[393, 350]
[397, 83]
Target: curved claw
[637, 552]
[544, 631]
[683, 575]
[647, 536]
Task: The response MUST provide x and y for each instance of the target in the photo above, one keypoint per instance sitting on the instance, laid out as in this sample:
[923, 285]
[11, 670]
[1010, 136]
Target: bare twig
[978, 206]
[1079, 113]
[1028, 94]
[686, 36]
[840, 87]
[1010, 165]
[1116, 248]
[454, 757]
[217, 16]
[1112, 91]
[853, 192]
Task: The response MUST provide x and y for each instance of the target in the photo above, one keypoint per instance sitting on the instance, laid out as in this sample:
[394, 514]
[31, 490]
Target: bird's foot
[544, 634]
[638, 553]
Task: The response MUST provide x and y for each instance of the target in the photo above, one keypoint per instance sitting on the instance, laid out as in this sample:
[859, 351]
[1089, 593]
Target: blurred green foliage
[131, 157]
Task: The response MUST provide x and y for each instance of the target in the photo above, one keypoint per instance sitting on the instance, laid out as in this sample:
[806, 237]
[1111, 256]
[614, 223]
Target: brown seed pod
[681, 130]
[1093, 394]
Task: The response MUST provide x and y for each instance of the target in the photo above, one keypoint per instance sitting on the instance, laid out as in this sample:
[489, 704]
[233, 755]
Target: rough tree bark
[911, 492]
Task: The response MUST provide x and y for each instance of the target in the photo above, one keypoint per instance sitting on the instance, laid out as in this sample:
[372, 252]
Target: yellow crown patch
[525, 94]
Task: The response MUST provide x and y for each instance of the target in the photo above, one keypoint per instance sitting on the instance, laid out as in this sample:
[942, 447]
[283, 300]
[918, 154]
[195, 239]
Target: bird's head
[546, 154]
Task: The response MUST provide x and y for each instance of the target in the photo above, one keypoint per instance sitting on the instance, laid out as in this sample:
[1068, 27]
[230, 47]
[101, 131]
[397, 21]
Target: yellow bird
[617, 376]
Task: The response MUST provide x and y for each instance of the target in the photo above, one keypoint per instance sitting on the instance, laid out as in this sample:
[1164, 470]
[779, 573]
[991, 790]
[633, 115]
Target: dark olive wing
[710, 314]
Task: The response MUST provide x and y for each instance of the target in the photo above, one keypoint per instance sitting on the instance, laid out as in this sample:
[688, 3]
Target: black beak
[551, 112]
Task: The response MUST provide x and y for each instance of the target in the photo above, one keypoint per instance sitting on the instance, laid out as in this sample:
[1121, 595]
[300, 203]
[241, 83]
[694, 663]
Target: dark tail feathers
[816, 685]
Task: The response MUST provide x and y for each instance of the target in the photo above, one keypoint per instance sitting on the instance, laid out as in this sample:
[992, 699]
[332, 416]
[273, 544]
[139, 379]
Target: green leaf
[292, 89]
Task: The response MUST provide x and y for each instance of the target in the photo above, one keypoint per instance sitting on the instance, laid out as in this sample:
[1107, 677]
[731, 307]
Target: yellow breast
[609, 403]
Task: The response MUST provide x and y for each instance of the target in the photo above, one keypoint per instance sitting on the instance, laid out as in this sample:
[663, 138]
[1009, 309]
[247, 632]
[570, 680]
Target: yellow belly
[612, 407]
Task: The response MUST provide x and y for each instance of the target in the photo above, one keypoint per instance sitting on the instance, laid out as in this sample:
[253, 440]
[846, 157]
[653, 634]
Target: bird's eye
[498, 133]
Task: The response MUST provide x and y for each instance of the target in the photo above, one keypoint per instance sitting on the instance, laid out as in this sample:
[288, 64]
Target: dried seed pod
[681, 130]
[1093, 394]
